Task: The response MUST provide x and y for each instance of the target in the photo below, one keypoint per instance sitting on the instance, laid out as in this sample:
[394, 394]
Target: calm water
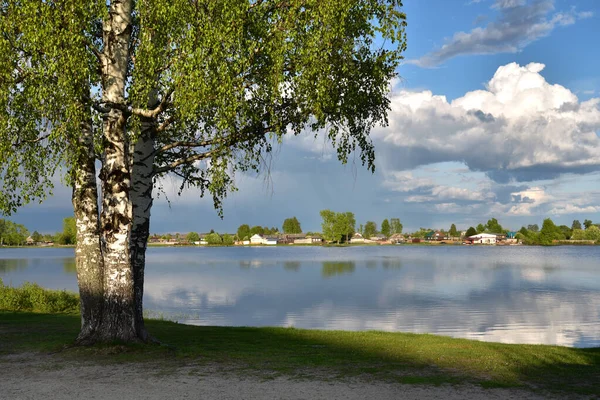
[503, 294]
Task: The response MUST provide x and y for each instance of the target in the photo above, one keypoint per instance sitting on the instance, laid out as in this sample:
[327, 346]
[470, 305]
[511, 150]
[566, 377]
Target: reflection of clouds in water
[472, 303]
[534, 275]
[194, 291]
[555, 322]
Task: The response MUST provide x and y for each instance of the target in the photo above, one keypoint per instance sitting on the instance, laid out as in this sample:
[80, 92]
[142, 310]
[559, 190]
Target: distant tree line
[12, 234]
[339, 227]
[388, 228]
[550, 232]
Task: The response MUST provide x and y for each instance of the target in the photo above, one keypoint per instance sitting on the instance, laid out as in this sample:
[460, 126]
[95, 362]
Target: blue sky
[496, 113]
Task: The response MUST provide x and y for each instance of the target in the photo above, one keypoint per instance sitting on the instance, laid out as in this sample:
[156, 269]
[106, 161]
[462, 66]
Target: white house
[257, 239]
[270, 240]
[484, 238]
[357, 238]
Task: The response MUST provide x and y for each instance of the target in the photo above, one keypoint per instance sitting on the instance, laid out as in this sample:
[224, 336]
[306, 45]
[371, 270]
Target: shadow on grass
[399, 357]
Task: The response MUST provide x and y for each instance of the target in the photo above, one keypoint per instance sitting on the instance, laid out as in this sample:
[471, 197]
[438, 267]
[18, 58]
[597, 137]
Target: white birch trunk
[118, 316]
[141, 196]
[88, 253]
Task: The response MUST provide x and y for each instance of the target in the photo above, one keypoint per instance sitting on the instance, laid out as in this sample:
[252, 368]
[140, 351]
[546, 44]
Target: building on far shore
[397, 238]
[357, 238]
[259, 239]
[482, 238]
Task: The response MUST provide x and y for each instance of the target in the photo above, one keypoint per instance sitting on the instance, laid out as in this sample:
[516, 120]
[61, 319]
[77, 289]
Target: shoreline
[324, 245]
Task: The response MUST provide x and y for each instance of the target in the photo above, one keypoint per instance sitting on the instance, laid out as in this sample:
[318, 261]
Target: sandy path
[29, 377]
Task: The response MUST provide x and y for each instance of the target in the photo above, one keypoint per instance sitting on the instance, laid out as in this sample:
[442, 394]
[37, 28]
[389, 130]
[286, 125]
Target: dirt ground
[34, 376]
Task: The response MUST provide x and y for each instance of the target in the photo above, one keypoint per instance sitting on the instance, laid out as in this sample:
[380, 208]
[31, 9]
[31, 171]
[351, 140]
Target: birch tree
[198, 89]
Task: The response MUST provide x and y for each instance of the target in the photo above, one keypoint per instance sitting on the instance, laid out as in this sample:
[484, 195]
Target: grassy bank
[33, 298]
[269, 352]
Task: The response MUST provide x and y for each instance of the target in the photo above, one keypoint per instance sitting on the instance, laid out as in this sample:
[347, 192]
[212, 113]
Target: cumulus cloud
[519, 24]
[520, 128]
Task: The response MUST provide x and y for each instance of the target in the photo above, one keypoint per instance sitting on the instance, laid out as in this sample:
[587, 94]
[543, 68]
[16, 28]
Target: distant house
[511, 235]
[435, 235]
[357, 238]
[499, 236]
[30, 241]
[289, 238]
[397, 238]
[270, 240]
[483, 238]
[309, 240]
[378, 238]
[202, 240]
[256, 239]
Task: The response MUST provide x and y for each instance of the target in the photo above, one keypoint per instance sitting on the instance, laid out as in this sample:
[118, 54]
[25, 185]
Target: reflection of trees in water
[332, 268]
[371, 264]
[8, 265]
[391, 263]
[69, 266]
[291, 265]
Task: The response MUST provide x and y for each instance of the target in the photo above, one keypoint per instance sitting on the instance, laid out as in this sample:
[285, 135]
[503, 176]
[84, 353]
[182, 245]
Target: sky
[495, 114]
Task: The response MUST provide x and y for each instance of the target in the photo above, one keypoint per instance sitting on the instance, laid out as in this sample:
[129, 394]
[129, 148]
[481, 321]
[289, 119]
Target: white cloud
[520, 23]
[574, 209]
[501, 4]
[529, 200]
[405, 181]
[520, 127]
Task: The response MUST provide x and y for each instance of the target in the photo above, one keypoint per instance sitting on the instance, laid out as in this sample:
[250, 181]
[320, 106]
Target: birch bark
[88, 252]
[118, 315]
[141, 197]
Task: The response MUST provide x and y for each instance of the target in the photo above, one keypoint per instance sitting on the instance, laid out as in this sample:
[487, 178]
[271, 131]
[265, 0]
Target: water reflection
[391, 263]
[333, 268]
[21, 264]
[291, 265]
[13, 265]
[69, 266]
[518, 295]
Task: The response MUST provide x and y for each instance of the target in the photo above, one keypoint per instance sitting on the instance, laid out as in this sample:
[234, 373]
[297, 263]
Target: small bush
[33, 298]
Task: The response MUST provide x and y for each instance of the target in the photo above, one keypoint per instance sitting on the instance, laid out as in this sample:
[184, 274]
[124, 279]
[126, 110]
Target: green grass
[31, 297]
[268, 352]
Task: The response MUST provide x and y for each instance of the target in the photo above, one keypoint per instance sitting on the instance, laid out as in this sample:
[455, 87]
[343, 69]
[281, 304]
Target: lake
[511, 294]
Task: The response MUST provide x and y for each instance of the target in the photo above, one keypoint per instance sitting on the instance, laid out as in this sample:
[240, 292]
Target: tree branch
[182, 161]
[142, 112]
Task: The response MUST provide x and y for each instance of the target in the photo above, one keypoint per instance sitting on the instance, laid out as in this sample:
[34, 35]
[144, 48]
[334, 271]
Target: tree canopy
[471, 232]
[243, 232]
[192, 237]
[493, 226]
[291, 225]
[12, 234]
[453, 232]
[395, 226]
[337, 226]
[69, 232]
[385, 227]
[370, 229]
